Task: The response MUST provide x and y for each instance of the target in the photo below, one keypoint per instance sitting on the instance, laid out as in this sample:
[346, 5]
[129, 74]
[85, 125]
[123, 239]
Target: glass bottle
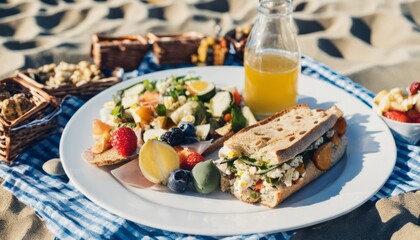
[271, 59]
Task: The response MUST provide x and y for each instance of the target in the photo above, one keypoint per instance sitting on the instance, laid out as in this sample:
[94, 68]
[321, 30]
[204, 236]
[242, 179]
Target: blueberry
[188, 129]
[179, 180]
[173, 137]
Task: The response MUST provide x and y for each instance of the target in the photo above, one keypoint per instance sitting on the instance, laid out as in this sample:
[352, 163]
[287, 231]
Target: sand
[376, 43]
[18, 221]
[393, 218]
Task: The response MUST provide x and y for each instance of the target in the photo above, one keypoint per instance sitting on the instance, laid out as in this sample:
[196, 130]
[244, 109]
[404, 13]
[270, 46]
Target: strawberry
[124, 140]
[397, 116]
[183, 153]
[414, 87]
[414, 115]
[191, 161]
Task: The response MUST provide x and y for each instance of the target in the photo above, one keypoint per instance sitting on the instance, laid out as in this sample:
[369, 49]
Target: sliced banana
[395, 100]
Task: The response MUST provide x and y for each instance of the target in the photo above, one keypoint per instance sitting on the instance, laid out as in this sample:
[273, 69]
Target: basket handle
[95, 40]
[91, 50]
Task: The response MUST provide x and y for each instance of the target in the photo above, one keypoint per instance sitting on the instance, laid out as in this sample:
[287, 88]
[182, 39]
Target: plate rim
[220, 232]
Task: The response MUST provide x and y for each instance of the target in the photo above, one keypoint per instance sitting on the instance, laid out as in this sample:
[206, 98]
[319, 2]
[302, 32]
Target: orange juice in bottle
[271, 82]
[271, 60]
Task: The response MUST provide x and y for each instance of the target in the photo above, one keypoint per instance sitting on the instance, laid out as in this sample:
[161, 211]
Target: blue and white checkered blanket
[70, 215]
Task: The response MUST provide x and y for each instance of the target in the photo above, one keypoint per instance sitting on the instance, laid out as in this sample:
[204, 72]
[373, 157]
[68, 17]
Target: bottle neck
[274, 30]
[276, 8]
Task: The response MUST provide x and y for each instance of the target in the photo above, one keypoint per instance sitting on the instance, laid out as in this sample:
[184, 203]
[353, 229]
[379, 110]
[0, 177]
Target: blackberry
[173, 137]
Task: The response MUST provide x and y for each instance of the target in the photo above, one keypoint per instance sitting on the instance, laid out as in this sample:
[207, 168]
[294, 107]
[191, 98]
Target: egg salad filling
[254, 178]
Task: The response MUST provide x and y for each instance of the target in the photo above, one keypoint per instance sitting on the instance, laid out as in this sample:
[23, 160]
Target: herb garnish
[228, 160]
[161, 110]
[118, 111]
[231, 166]
[149, 85]
[238, 120]
[250, 161]
[263, 171]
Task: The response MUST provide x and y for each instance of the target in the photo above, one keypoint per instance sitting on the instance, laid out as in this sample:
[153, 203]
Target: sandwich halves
[269, 161]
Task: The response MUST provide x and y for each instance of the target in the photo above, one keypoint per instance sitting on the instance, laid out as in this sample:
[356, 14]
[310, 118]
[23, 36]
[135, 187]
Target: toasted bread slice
[110, 157]
[282, 136]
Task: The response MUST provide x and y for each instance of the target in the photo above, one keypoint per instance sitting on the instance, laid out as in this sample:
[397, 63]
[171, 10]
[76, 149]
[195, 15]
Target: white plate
[370, 158]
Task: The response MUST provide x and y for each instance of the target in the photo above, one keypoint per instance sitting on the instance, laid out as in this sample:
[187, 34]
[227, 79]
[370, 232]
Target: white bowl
[409, 132]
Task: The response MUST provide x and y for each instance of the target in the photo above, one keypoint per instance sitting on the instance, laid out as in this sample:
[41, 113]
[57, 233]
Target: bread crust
[311, 173]
[285, 134]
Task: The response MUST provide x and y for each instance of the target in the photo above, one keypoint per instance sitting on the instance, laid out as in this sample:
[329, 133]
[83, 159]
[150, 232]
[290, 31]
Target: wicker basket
[175, 49]
[85, 91]
[20, 133]
[126, 52]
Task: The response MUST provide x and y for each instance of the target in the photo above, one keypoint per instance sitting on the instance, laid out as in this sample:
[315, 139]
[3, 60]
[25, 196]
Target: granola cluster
[64, 73]
[14, 106]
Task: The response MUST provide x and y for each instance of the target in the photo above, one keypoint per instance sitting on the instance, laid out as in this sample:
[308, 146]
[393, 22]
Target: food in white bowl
[400, 109]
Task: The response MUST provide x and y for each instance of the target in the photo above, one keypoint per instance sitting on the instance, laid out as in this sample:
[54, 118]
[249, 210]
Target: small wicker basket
[35, 124]
[175, 49]
[85, 91]
[126, 51]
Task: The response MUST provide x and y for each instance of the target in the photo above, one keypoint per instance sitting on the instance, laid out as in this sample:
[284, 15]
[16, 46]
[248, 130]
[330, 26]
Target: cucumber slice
[128, 101]
[130, 95]
[202, 89]
[134, 90]
[220, 103]
[205, 97]
[202, 131]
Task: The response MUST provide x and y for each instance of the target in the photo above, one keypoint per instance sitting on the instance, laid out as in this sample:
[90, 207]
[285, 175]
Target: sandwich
[272, 159]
